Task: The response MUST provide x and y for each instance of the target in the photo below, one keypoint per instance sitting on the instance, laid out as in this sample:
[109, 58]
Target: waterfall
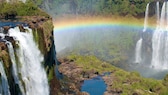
[14, 66]
[4, 87]
[138, 51]
[27, 67]
[30, 68]
[146, 17]
[138, 48]
[160, 41]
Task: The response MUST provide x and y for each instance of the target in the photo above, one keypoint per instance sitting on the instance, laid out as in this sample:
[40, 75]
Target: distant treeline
[98, 7]
[134, 8]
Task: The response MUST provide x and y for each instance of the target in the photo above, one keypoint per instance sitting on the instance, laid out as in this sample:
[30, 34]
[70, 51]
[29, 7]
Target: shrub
[11, 10]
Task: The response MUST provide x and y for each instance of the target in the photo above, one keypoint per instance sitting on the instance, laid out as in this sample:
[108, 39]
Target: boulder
[31, 25]
[8, 38]
[6, 28]
[21, 28]
[2, 46]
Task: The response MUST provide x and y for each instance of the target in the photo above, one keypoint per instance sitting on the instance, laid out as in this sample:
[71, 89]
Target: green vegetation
[51, 74]
[11, 10]
[99, 7]
[127, 83]
[130, 82]
[37, 2]
[91, 63]
[111, 46]
[43, 37]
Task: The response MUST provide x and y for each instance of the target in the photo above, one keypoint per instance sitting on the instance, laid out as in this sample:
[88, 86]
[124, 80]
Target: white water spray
[146, 17]
[14, 67]
[30, 68]
[4, 86]
[138, 49]
[138, 57]
[160, 41]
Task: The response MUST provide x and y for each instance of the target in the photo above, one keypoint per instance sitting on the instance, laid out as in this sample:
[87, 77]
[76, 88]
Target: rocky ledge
[77, 68]
[75, 74]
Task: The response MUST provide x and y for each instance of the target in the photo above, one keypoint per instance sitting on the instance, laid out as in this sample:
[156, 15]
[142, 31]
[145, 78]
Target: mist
[113, 44]
[91, 37]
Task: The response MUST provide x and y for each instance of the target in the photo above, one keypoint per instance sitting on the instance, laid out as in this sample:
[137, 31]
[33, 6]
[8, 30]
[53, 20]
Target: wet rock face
[5, 29]
[8, 38]
[2, 46]
[71, 70]
[36, 21]
[21, 28]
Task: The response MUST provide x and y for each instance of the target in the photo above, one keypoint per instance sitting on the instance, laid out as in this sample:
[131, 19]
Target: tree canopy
[99, 7]
[13, 9]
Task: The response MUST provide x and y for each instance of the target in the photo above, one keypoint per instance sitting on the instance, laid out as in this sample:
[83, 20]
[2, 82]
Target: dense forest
[18, 8]
[97, 7]
[134, 8]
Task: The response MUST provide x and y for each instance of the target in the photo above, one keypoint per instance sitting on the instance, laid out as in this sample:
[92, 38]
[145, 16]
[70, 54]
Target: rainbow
[68, 24]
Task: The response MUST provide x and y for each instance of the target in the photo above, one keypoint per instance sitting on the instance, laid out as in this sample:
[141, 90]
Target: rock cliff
[42, 29]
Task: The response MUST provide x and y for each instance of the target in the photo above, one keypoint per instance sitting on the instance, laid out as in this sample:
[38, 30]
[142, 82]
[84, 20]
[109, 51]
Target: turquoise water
[11, 24]
[95, 86]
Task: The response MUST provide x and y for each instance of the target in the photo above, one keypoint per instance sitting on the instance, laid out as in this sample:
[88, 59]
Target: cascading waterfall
[138, 49]
[146, 18]
[27, 69]
[4, 87]
[30, 59]
[14, 66]
[160, 41]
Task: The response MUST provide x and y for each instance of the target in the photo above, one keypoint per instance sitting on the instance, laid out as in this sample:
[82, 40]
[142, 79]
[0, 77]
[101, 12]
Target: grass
[91, 63]
[127, 82]
[11, 10]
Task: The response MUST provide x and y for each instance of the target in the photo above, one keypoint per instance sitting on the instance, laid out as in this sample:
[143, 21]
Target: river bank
[118, 82]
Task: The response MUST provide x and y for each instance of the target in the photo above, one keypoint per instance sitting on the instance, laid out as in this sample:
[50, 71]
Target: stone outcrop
[75, 76]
